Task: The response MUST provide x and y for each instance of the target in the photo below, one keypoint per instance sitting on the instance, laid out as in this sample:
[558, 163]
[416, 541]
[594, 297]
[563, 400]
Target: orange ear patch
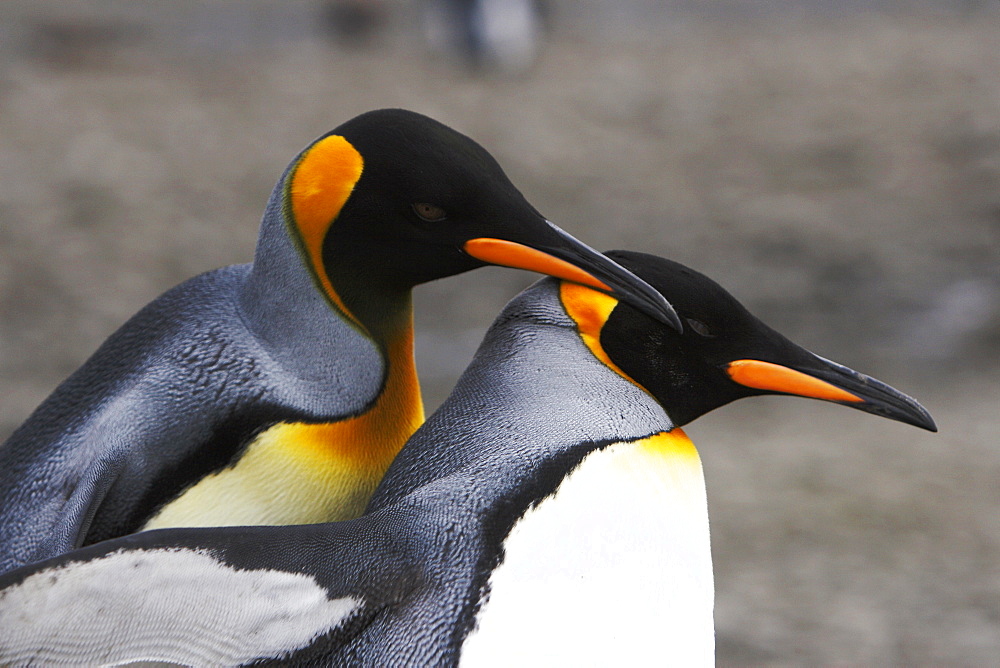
[776, 378]
[318, 187]
[590, 309]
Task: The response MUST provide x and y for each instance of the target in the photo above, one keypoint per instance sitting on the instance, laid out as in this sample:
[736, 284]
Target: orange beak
[564, 257]
[822, 379]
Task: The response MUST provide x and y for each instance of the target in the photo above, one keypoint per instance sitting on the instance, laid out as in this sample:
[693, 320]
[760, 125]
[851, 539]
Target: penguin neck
[398, 411]
[385, 314]
[307, 472]
[345, 363]
[348, 340]
[325, 321]
[531, 405]
[382, 311]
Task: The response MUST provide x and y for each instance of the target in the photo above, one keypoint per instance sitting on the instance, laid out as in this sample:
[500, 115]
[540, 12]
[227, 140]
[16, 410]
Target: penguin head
[391, 199]
[724, 353]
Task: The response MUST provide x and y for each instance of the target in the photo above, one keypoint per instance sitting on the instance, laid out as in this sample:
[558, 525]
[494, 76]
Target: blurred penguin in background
[489, 35]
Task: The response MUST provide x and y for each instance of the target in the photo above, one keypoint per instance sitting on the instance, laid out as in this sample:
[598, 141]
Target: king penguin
[551, 512]
[278, 392]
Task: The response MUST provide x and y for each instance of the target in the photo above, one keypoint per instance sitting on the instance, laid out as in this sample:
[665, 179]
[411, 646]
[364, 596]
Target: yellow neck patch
[673, 444]
[590, 310]
[297, 473]
[317, 189]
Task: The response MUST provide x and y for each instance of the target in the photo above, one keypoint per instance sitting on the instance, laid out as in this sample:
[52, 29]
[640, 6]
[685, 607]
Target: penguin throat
[299, 473]
[384, 315]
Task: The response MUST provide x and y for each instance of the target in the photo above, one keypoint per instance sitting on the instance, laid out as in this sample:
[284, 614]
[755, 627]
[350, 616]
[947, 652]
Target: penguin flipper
[236, 607]
[233, 616]
[76, 515]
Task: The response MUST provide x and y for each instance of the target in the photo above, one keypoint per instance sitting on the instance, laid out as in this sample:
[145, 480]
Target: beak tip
[918, 417]
[653, 304]
[671, 318]
[910, 413]
[928, 424]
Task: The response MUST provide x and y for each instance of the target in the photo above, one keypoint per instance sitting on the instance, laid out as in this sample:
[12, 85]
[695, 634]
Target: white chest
[613, 569]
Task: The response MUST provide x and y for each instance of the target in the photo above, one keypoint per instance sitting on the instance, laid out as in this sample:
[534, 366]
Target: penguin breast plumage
[609, 569]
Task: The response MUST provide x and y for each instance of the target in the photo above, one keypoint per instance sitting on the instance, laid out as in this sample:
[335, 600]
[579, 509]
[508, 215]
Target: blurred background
[835, 165]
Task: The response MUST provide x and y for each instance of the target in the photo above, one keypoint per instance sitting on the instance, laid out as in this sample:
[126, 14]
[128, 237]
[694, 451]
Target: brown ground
[840, 175]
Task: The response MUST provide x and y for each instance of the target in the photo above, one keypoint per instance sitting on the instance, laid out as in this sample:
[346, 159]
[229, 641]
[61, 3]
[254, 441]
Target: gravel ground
[840, 173]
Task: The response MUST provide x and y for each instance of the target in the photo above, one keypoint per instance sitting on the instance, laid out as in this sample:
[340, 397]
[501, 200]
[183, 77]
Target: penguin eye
[700, 327]
[429, 212]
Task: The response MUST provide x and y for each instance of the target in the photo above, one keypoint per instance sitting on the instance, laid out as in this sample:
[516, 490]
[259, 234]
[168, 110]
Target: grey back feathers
[231, 351]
